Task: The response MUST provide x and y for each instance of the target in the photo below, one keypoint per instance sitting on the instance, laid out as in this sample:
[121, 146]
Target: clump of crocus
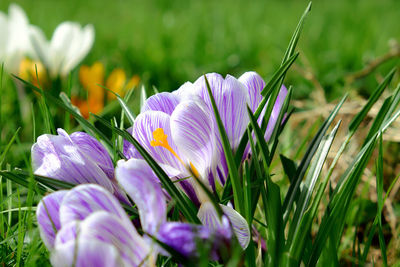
[92, 80]
[86, 226]
[179, 131]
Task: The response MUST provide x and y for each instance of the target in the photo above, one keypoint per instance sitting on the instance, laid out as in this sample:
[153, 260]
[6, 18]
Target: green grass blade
[232, 167]
[279, 75]
[339, 203]
[292, 194]
[296, 35]
[7, 148]
[371, 101]
[271, 199]
[130, 115]
[301, 223]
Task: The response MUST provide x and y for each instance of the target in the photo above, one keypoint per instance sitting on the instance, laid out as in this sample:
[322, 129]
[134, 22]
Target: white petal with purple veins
[193, 133]
[94, 150]
[83, 200]
[254, 84]
[86, 253]
[146, 123]
[108, 228]
[165, 102]
[48, 217]
[56, 156]
[139, 182]
[208, 216]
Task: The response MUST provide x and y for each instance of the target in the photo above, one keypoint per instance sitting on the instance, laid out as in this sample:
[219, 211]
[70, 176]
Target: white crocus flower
[14, 38]
[68, 46]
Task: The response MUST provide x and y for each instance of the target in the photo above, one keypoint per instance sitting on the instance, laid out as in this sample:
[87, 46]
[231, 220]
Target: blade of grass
[305, 213]
[129, 114]
[271, 199]
[292, 194]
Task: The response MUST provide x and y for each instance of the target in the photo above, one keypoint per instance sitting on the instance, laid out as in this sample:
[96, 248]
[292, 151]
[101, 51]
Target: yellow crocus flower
[92, 78]
[27, 71]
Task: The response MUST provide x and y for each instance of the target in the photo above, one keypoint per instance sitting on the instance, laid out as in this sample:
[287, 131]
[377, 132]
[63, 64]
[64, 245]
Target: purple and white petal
[86, 253]
[231, 98]
[107, 227]
[193, 133]
[275, 112]
[165, 102]
[146, 123]
[94, 150]
[67, 233]
[48, 217]
[143, 187]
[209, 217]
[83, 200]
[56, 156]
[254, 84]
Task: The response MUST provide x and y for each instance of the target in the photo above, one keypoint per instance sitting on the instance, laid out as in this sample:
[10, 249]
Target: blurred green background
[170, 42]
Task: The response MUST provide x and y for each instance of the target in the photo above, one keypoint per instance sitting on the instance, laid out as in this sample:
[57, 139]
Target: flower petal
[231, 98]
[86, 253]
[193, 133]
[83, 200]
[165, 102]
[208, 216]
[94, 150]
[57, 156]
[254, 84]
[48, 217]
[108, 228]
[275, 112]
[139, 182]
[146, 123]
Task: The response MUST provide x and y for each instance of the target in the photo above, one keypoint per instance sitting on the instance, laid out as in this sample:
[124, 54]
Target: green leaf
[292, 194]
[232, 167]
[306, 210]
[296, 35]
[124, 106]
[8, 146]
[339, 203]
[184, 204]
[371, 101]
[270, 194]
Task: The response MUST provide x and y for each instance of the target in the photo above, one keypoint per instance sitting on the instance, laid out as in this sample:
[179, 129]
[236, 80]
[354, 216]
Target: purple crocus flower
[88, 227]
[179, 130]
[77, 158]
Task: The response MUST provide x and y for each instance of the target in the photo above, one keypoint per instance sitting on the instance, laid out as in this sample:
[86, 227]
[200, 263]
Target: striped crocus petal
[140, 182]
[231, 98]
[94, 150]
[48, 217]
[83, 200]
[254, 84]
[275, 112]
[108, 228]
[165, 102]
[209, 217]
[86, 253]
[193, 133]
[58, 157]
[144, 128]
